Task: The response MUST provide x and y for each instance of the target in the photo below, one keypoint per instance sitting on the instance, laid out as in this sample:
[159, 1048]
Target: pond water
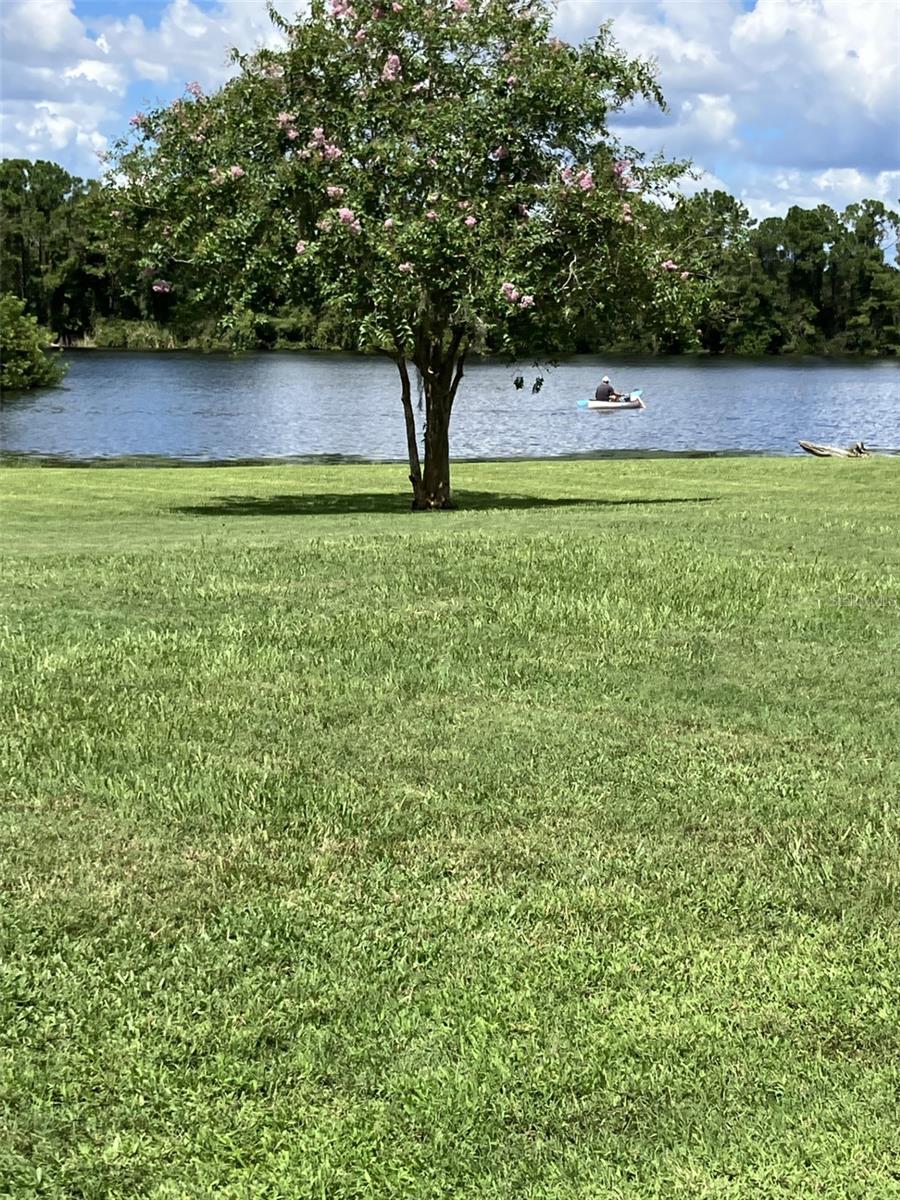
[197, 407]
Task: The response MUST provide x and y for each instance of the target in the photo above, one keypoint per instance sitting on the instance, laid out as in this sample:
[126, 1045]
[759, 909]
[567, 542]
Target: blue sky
[779, 101]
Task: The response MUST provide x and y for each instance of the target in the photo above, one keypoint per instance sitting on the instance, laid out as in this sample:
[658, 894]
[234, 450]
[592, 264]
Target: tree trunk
[412, 446]
[440, 371]
[435, 490]
[442, 378]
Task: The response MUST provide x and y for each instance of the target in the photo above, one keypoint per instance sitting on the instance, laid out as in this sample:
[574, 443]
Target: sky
[779, 102]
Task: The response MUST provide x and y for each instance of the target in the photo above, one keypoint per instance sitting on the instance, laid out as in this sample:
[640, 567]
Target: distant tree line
[812, 282]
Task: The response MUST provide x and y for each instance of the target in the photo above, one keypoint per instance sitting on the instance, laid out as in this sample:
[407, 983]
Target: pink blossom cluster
[582, 178]
[461, 6]
[421, 86]
[286, 123]
[334, 193]
[389, 223]
[342, 8]
[348, 218]
[626, 214]
[668, 265]
[471, 221]
[685, 274]
[318, 141]
[512, 295]
[391, 71]
[162, 285]
[273, 71]
[236, 172]
[405, 267]
[195, 89]
[621, 169]
[300, 248]
[431, 215]
[137, 119]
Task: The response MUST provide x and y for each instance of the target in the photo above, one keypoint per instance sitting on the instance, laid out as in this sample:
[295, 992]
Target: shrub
[24, 363]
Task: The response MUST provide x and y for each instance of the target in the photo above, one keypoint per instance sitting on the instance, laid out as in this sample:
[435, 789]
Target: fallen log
[857, 450]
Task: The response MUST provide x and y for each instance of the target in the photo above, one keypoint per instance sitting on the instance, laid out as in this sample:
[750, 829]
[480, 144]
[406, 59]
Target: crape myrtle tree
[438, 172]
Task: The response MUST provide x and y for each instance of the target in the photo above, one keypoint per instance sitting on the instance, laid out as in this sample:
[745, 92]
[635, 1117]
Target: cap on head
[605, 379]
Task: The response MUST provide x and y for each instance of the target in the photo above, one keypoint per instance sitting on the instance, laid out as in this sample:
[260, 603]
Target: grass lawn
[548, 849]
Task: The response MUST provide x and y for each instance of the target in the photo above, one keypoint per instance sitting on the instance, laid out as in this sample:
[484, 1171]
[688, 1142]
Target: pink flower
[395, 7]
[586, 181]
[461, 6]
[685, 274]
[195, 89]
[162, 285]
[470, 221]
[292, 135]
[431, 215]
[513, 80]
[432, 162]
[509, 292]
[318, 136]
[115, 213]
[391, 72]
[359, 36]
[464, 203]
[335, 193]
[340, 8]
[389, 223]
[567, 174]
[405, 267]
[346, 215]
[620, 166]
[284, 119]
[668, 265]
[627, 219]
[420, 87]
[331, 153]
[300, 247]
[137, 119]
[236, 172]
[526, 302]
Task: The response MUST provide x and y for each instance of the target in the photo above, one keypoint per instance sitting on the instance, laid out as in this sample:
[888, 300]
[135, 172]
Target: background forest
[812, 282]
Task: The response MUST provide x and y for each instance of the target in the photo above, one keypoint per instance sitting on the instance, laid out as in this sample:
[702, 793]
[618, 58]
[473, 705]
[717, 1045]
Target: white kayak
[632, 401]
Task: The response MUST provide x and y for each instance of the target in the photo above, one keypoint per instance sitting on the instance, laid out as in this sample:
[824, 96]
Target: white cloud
[106, 75]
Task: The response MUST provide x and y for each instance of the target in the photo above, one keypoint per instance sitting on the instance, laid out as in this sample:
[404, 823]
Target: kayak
[634, 401]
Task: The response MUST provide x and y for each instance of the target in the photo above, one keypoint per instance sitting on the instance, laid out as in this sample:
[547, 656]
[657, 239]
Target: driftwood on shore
[857, 450]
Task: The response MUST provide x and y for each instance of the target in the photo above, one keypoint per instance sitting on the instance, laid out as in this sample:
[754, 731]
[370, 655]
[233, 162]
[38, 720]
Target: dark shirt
[604, 391]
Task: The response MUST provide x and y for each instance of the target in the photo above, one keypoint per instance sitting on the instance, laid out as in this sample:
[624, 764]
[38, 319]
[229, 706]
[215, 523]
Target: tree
[24, 363]
[441, 174]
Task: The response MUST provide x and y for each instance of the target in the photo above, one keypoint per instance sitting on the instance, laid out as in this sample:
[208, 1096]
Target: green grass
[545, 849]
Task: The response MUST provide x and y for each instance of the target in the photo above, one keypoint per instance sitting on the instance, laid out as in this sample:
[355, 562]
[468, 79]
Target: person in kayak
[605, 391]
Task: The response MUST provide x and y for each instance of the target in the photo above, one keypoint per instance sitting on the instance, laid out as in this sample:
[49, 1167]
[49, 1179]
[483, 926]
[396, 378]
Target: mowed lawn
[548, 849]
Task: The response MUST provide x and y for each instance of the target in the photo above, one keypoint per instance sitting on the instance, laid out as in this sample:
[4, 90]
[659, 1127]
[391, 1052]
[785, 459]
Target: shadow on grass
[343, 503]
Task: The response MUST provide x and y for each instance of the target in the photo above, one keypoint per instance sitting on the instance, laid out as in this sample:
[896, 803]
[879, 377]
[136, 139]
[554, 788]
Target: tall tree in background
[440, 174]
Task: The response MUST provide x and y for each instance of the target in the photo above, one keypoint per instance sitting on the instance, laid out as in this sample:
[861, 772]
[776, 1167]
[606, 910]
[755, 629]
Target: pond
[208, 408]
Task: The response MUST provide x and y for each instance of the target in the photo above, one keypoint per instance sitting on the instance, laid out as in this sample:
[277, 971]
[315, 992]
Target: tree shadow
[343, 503]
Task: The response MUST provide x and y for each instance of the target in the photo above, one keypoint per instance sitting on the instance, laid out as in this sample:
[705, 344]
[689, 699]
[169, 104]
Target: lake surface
[273, 406]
